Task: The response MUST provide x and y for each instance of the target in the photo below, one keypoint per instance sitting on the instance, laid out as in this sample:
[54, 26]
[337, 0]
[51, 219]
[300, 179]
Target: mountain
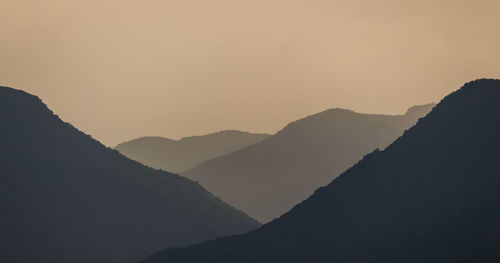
[431, 196]
[266, 179]
[64, 197]
[181, 155]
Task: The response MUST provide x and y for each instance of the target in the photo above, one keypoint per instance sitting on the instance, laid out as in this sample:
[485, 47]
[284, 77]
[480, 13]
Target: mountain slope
[287, 167]
[431, 196]
[65, 197]
[186, 153]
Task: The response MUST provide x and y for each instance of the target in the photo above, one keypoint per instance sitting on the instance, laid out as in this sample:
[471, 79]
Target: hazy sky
[120, 69]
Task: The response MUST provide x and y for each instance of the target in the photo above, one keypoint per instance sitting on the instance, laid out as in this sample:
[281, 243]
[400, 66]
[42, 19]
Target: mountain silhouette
[64, 197]
[287, 167]
[181, 155]
[431, 196]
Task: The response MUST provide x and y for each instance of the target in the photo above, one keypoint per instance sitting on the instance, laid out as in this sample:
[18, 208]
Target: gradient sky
[120, 69]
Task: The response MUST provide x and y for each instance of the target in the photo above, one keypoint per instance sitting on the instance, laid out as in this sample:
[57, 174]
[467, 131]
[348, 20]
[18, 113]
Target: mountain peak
[5, 90]
[15, 96]
[221, 134]
[419, 109]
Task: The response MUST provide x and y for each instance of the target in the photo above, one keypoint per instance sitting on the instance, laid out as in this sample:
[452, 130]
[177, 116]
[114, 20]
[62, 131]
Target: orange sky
[120, 69]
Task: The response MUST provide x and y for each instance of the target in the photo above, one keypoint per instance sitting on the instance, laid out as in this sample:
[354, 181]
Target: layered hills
[431, 196]
[181, 155]
[267, 178]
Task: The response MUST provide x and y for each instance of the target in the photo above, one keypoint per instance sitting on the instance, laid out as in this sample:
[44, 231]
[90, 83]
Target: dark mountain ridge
[431, 196]
[287, 167]
[184, 154]
[65, 197]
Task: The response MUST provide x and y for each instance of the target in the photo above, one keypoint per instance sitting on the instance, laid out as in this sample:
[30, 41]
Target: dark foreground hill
[181, 155]
[266, 179]
[431, 196]
[65, 197]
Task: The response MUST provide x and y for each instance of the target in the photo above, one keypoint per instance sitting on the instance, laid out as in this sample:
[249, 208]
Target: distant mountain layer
[65, 197]
[266, 179]
[182, 155]
[431, 196]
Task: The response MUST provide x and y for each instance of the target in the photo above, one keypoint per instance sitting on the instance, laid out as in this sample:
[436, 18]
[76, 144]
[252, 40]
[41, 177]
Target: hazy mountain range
[181, 155]
[64, 197]
[267, 178]
[431, 196]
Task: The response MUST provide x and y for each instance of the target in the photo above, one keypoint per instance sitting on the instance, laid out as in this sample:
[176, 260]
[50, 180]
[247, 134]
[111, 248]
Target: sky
[121, 69]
